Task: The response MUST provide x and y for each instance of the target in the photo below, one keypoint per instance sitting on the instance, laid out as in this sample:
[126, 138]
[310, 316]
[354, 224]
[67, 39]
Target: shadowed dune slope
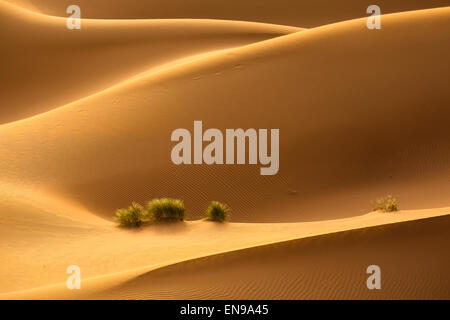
[46, 65]
[326, 266]
[302, 13]
[332, 266]
[378, 126]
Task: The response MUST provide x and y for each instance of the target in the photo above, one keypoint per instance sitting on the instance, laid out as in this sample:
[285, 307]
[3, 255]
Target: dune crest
[323, 164]
[55, 66]
[87, 122]
[301, 13]
[231, 246]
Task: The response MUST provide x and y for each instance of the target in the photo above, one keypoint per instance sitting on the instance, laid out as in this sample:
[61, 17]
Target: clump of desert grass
[156, 210]
[217, 211]
[164, 209]
[386, 204]
[130, 217]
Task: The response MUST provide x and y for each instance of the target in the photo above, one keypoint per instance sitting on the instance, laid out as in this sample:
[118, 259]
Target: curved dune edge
[67, 169]
[24, 206]
[324, 267]
[287, 12]
[390, 155]
[119, 285]
[56, 66]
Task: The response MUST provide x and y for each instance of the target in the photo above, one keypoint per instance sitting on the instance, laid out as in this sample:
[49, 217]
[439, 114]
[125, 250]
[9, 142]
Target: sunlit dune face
[285, 150]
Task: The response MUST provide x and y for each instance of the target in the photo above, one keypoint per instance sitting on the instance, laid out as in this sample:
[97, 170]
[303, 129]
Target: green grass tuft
[217, 211]
[386, 204]
[165, 209]
[131, 216]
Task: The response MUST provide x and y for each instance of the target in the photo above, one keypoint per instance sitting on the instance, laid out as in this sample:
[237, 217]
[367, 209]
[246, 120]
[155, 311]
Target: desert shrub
[131, 216]
[217, 211]
[165, 209]
[386, 204]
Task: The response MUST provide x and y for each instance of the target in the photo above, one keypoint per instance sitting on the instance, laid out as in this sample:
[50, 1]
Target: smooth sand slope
[356, 114]
[320, 259]
[301, 13]
[45, 65]
[325, 267]
[86, 124]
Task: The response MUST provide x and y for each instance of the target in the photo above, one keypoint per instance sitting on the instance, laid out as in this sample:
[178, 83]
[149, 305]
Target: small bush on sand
[165, 209]
[386, 204]
[131, 216]
[217, 211]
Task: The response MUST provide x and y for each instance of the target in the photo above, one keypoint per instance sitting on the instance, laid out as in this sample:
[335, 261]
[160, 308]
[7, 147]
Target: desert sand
[301, 13]
[85, 125]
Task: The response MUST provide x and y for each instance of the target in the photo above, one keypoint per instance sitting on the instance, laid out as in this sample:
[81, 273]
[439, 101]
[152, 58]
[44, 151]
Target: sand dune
[239, 257]
[301, 13]
[323, 164]
[326, 267]
[85, 125]
[55, 66]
